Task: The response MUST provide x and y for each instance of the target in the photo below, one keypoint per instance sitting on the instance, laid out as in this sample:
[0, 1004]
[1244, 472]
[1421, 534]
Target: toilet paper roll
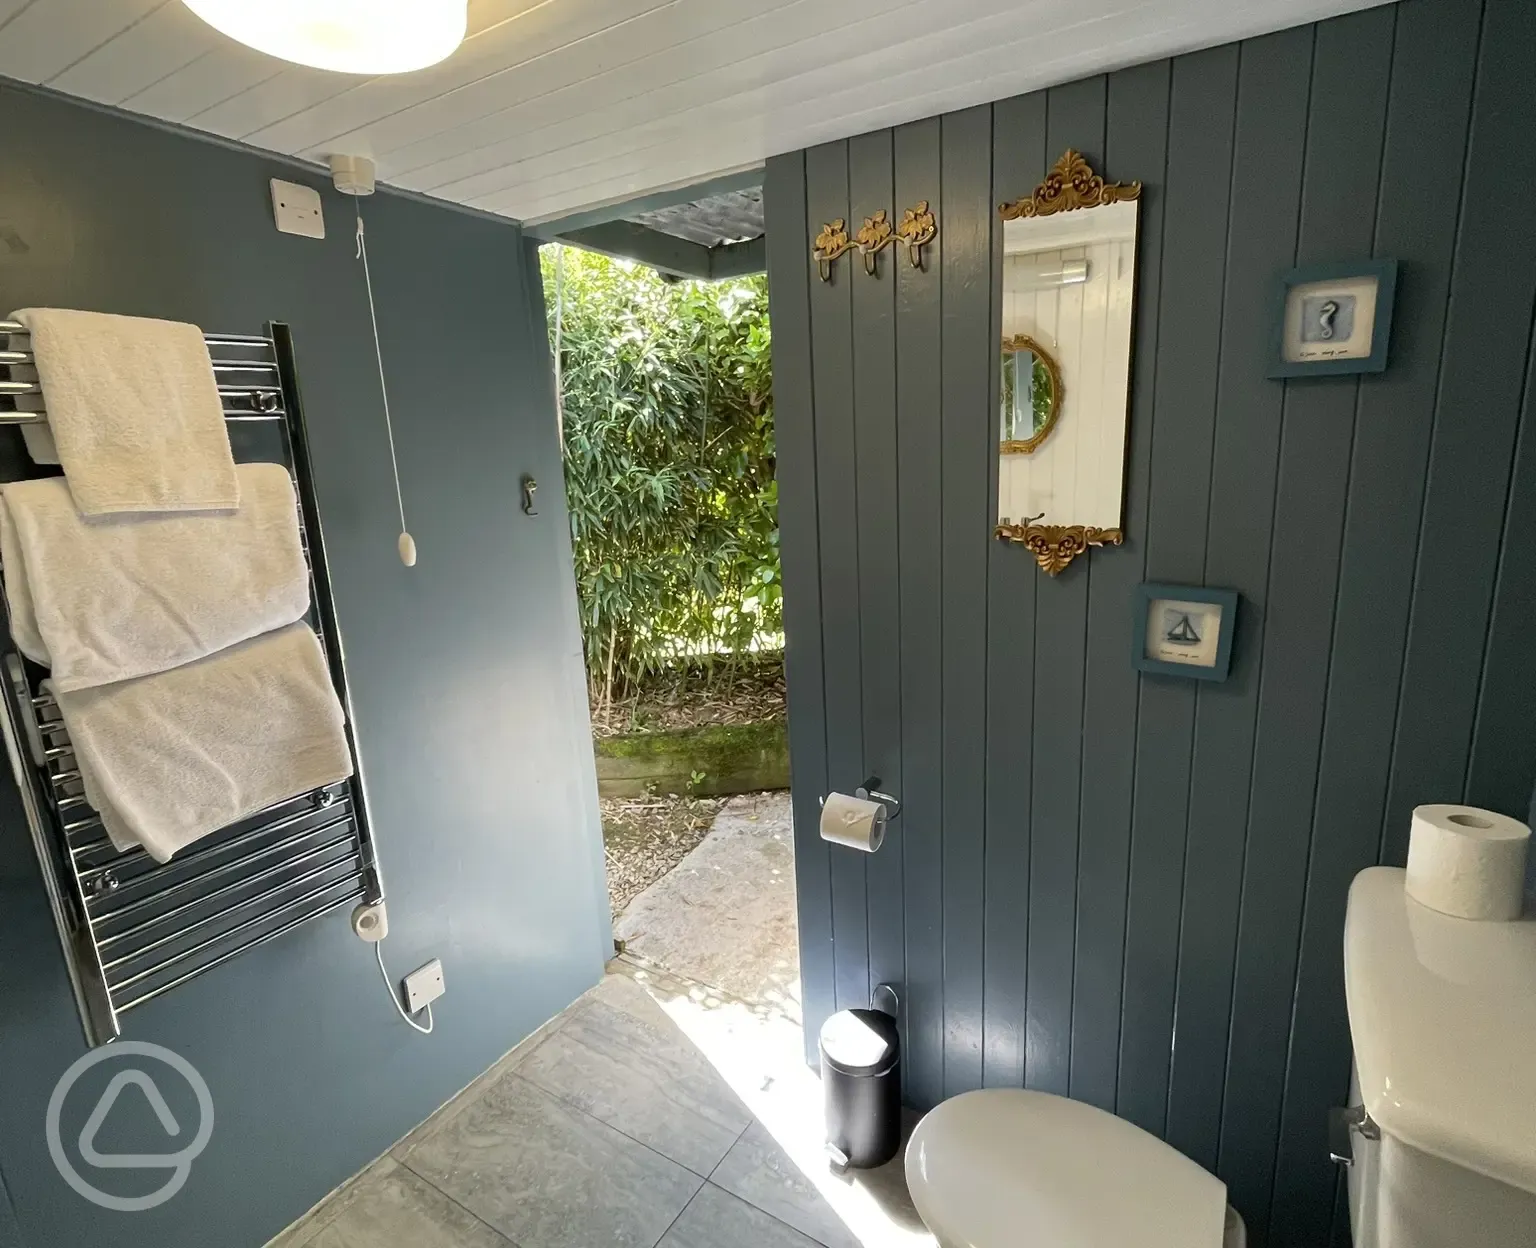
[1467, 862]
[853, 821]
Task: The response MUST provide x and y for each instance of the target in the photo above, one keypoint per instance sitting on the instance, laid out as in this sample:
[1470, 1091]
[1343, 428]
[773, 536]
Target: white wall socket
[424, 986]
[296, 209]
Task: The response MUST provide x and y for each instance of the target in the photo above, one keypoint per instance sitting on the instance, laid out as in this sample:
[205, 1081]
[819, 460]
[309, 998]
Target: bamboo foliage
[669, 466]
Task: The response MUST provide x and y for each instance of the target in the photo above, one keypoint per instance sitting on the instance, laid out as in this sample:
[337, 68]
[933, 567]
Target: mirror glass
[1069, 278]
[1031, 392]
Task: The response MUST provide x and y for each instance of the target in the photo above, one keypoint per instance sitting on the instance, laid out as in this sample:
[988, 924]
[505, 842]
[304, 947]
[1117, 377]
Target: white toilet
[1004, 1167]
[1440, 1142]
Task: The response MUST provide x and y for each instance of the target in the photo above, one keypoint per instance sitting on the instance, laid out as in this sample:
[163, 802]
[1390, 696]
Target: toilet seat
[1004, 1167]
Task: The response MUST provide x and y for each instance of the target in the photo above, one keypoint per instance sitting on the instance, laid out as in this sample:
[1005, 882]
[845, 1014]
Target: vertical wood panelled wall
[1131, 889]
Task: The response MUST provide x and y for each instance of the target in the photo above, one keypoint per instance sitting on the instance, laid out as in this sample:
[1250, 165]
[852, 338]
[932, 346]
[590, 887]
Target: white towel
[170, 758]
[134, 410]
[115, 597]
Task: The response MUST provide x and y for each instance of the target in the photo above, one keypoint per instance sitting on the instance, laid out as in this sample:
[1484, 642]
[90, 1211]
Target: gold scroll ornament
[1056, 545]
[1070, 185]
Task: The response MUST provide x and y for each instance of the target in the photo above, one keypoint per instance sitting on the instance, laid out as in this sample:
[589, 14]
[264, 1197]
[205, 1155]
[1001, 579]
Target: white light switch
[424, 986]
[296, 209]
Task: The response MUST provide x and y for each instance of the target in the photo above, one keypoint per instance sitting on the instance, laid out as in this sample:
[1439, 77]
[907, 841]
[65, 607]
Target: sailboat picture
[1184, 630]
[1180, 629]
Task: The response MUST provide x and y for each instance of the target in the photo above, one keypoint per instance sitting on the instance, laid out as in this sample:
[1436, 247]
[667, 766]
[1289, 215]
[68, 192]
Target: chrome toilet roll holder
[869, 791]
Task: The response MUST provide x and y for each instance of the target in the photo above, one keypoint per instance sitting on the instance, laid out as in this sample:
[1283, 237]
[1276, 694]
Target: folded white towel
[134, 409]
[115, 597]
[170, 758]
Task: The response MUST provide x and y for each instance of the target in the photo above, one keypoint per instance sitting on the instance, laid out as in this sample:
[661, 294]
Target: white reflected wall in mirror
[1069, 284]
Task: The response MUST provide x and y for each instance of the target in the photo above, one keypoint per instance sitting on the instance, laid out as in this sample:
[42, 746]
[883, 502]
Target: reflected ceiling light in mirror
[348, 36]
[1049, 277]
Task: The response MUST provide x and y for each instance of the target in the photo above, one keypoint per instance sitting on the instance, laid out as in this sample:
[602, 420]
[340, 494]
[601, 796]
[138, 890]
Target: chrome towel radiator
[133, 929]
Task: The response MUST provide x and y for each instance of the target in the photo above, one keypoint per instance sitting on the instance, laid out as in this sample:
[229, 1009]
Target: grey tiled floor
[613, 1127]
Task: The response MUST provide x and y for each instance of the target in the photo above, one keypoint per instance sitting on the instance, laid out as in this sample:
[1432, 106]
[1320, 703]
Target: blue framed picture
[1184, 630]
[1334, 318]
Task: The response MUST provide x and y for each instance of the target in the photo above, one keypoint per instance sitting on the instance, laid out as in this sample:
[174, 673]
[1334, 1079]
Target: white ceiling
[557, 106]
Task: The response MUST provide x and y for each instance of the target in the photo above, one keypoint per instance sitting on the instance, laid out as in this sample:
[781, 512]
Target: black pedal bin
[861, 1085]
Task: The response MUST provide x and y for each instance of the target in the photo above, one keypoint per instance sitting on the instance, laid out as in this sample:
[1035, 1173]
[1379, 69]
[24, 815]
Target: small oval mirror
[1031, 393]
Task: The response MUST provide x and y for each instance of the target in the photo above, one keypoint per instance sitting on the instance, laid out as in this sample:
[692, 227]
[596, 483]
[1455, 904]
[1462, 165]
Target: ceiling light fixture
[348, 36]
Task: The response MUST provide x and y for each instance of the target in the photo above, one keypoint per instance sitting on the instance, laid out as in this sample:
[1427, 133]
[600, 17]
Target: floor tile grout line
[704, 1180]
[482, 1083]
[715, 1169]
[565, 1100]
[320, 1216]
[472, 1096]
[686, 1206]
[747, 1200]
[768, 1213]
[793, 1230]
[555, 1096]
[454, 1200]
[561, 1099]
[708, 1179]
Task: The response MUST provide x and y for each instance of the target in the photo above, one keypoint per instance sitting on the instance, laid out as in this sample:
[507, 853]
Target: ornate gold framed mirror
[1031, 391]
[1069, 290]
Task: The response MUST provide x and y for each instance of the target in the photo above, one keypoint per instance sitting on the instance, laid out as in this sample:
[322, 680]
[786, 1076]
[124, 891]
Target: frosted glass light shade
[349, 36]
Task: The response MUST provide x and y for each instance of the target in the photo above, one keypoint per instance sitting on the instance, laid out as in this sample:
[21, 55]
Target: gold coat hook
[917, 228]
[830, 244]
[874, 235]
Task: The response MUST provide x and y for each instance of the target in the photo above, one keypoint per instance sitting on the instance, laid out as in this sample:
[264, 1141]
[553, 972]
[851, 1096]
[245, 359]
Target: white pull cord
[378, 949]
[406, 543]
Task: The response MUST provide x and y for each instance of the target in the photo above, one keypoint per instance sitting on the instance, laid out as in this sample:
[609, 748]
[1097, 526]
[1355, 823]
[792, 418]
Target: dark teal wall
[466, 673]
[1131, 889]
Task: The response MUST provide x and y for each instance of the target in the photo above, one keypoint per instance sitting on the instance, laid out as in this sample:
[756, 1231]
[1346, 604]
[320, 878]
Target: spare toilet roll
[852, 821]
[1467, 862]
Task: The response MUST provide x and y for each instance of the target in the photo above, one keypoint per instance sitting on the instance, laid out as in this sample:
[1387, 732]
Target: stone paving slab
[725, 915]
